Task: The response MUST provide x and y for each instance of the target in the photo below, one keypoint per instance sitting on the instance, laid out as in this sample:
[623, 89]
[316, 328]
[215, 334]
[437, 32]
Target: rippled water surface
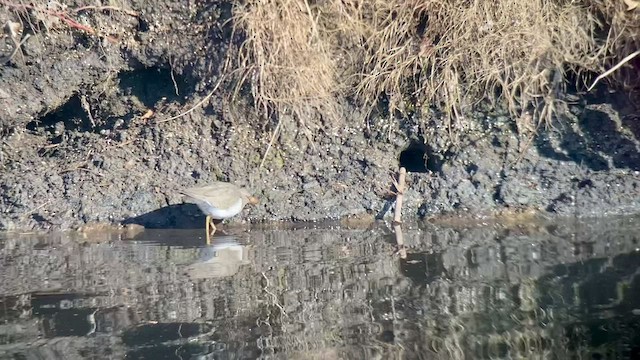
[566, 290]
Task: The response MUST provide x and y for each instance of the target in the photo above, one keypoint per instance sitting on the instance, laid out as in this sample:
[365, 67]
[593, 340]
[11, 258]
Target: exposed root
[191, 109]
[616, 67]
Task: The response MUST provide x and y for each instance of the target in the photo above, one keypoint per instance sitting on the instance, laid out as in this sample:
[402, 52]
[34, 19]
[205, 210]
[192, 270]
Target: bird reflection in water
[221, 259]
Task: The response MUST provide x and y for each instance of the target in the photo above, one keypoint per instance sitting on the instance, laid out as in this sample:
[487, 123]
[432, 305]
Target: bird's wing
[220, 195]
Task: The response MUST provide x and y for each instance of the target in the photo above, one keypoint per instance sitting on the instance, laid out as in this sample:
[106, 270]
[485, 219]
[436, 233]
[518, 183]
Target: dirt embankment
[87, 135]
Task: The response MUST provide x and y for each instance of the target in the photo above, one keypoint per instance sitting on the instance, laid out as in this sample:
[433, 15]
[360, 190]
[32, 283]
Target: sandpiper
[219, 200]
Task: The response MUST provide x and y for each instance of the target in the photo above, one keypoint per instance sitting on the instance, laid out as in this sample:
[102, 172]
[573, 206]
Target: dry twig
[33, 211]
[206, 98]
[273, 138]
[616, 67]
[111, 8]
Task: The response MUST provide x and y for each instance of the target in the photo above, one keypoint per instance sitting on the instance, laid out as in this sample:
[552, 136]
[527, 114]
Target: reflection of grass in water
[527, 295]
[514, 344]
[325, 325]
[450, 344]
[503, 332]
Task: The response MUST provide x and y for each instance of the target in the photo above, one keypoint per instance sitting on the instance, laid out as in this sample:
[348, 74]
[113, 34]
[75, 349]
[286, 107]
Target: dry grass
[286, 58]
[301, 58]
[622, 23]
[514, 53]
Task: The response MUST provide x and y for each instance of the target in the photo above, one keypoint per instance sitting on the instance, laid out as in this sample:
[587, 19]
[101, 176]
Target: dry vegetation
[301, 56]
[304, 57]
[49, 15]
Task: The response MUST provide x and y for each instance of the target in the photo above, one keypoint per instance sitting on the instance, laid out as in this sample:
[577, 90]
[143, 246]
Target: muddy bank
[79, 145]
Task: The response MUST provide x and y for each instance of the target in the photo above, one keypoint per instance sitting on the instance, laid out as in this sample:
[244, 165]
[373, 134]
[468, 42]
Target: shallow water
[552, 290]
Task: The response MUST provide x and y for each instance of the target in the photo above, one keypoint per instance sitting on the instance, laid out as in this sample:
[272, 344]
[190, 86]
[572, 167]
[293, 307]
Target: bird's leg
[213, 225]
[207, 224]
[210, 224]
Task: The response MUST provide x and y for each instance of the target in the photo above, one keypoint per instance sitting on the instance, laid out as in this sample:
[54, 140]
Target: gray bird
[219, 200]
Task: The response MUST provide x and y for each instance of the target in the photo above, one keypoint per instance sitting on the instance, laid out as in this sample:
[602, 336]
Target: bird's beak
[253, 200]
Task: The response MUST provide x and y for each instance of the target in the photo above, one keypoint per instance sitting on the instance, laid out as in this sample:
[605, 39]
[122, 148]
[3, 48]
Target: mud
[78, 145]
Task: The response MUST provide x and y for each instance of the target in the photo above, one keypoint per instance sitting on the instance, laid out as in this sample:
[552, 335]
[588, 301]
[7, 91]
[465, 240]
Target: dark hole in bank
[420, 158]
[69, 115]
[152, 84]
